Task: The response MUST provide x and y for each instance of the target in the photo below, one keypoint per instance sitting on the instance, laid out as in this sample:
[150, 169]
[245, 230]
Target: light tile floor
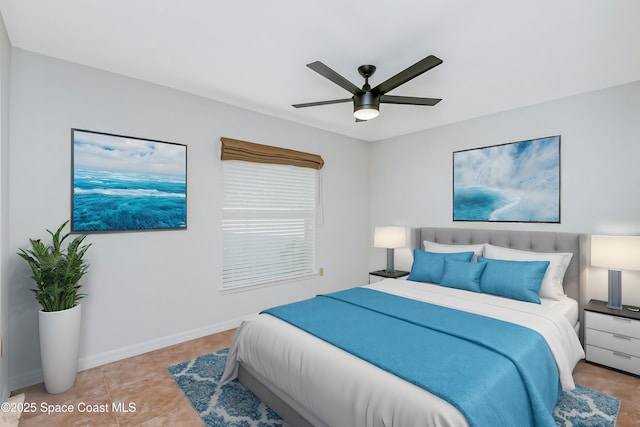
[624, 387]
[143, 382]
[140, 381]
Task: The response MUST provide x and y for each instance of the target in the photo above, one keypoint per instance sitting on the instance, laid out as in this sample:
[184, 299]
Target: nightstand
[612, 337]
[376, 276]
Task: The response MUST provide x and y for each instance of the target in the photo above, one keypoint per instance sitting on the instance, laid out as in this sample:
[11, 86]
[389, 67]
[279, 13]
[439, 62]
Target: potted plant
[57, 272]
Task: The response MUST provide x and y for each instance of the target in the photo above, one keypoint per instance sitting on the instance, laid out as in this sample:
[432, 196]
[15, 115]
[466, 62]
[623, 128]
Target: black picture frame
[512, 182]
[123, 183]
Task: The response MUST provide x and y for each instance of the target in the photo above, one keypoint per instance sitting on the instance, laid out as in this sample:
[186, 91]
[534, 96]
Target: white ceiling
[498, 54]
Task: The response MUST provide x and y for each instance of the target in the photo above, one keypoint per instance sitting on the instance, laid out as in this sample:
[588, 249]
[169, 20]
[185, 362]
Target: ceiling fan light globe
[366, 113]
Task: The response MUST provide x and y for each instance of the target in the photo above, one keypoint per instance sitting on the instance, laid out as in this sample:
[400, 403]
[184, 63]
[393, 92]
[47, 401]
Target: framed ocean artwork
[514, 182]
[122, 183]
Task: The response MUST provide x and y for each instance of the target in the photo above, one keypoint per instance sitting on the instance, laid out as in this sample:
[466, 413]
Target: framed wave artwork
[514, 182]
[122, 183]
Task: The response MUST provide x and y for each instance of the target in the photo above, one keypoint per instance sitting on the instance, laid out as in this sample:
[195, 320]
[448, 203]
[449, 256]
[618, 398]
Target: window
[268, 223]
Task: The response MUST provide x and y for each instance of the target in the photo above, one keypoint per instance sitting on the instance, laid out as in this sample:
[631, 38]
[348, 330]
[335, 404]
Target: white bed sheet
[341, 389]
[564, 305]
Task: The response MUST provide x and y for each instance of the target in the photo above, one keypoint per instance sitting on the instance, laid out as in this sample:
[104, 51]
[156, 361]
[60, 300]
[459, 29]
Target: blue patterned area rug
[232, 405]
[584, 407]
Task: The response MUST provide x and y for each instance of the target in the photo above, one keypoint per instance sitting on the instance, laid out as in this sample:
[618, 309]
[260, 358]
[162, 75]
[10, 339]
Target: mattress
[341, 389]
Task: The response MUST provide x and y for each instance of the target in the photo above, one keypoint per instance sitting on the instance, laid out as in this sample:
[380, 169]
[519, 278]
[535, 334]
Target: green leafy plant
[57, 271]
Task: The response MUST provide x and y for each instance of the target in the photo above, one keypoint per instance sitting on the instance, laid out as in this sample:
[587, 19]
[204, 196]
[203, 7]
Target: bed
[308, 381]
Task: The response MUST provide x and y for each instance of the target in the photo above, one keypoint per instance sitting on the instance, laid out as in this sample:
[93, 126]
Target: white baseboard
[35, 376]
[25, 380]
[144, 347]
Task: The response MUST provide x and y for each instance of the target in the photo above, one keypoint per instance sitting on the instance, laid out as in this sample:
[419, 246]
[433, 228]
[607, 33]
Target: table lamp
[390, 238]
[615, 253]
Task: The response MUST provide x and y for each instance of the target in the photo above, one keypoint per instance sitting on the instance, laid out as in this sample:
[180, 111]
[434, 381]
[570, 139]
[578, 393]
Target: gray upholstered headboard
[536, 241]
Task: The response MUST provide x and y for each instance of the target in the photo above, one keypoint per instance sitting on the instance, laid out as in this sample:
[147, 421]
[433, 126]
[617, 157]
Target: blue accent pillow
[429, 266]
[462, 274]
[519, 280]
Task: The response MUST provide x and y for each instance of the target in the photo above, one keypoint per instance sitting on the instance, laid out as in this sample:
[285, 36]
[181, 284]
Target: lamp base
[390, 256]
[615, 290]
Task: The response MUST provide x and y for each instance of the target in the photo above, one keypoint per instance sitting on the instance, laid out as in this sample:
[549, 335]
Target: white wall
[600, 152]
[151, 289]
[5, 60]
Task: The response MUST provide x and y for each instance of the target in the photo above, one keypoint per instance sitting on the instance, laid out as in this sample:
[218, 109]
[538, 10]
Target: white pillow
[552, 281]
[441, 248]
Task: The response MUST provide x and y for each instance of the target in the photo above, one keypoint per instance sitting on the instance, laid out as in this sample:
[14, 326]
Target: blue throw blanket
[495, 373]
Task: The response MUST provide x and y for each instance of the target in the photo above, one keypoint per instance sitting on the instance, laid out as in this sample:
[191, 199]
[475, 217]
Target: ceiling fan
[366, 101]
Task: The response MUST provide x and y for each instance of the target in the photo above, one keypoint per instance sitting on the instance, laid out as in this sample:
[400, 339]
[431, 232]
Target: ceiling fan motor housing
[366, 100]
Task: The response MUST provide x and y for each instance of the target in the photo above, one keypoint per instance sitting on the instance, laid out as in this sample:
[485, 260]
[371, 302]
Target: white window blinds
[269, 223]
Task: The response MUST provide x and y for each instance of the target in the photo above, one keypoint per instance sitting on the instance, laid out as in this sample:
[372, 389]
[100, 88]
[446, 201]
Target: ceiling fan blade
[408, 100]
[314, 104]
[328, 73]
[404, 76]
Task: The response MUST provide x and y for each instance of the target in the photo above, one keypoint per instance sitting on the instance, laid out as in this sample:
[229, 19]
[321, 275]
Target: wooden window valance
[234, 149]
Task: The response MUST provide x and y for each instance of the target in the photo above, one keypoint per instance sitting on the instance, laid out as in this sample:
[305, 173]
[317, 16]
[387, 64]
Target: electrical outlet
[321, 271]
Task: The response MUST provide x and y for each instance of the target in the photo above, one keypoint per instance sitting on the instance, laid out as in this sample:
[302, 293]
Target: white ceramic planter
[59, 347]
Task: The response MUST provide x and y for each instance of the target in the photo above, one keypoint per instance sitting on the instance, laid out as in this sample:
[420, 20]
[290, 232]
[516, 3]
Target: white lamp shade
[390, 237]
[616, 252]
